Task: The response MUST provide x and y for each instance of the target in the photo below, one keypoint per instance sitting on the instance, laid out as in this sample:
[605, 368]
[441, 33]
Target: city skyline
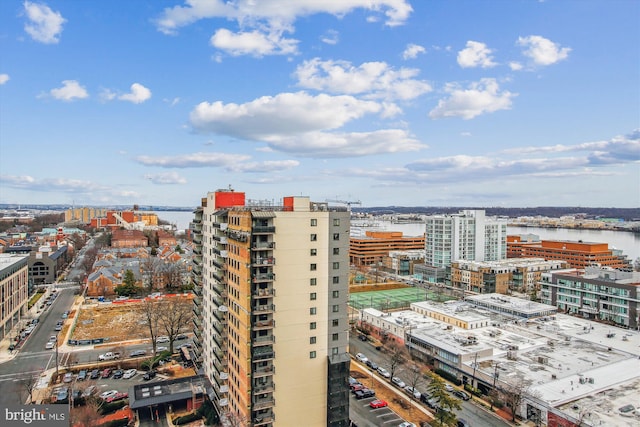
[389, 102]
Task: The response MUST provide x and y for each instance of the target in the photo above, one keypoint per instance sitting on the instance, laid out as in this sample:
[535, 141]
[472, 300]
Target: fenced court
[393, 299]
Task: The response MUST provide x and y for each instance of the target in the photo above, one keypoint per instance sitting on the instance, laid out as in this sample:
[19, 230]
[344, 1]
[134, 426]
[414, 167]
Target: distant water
[626, 241]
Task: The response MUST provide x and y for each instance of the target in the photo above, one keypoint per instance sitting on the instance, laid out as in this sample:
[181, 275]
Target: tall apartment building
[271, 309]
[596, 293]
[14, 286]
[467, 235]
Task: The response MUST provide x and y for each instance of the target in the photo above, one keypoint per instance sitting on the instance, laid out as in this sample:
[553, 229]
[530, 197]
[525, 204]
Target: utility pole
[495, 376]
[56, 345]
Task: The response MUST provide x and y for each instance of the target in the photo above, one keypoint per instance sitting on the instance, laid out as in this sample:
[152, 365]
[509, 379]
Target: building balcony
[263, 308]
[262, 261]
[263, 419]
[198, 322]
[196, 310]
[265, 403]
[262, 246]
[263, 277]
[263, 292]
[263, 325]
[262, 229]
[263, 371]
[197, 289]
[237, 235]
[263, 340]
[260, 354]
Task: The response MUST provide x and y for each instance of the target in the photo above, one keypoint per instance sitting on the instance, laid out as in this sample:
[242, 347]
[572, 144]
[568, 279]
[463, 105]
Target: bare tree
[172, 275]
[90, 256]
[235, 419]
[513, 392]
[151, 269]
[176, 313]
[150, 310]
[28, 385]
[397, 357]
[87, 414]
[415, 377]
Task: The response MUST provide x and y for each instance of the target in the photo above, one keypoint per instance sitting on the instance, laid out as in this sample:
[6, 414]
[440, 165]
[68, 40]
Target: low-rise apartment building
[596, 293]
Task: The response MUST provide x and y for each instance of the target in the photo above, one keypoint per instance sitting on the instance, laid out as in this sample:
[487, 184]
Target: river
[626, 241]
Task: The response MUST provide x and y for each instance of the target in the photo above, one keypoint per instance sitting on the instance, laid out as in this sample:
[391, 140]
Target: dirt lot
[399, 404]
[120, 322]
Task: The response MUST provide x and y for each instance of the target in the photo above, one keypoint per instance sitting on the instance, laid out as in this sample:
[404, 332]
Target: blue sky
[389, 102]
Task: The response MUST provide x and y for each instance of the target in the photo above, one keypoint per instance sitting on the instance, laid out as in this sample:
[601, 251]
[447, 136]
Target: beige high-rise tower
[271, 306]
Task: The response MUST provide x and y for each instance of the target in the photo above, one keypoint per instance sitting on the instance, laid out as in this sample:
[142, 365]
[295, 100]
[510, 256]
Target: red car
[106, 373]
[378, 404]
[117, 397]
[355, 387]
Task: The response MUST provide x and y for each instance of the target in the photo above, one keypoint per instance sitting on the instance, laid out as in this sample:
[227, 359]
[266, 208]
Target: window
[336, 294]
[335, 322]
[336, 279]
[312, 355]
[312, 311]
[313, 281]
[336, 251]
[336, 265]
[335, 350]
[336, 222]
[313, 252]
[335, 308]
[314, 222]
[336, 236]
[312, 296]
[312, 340]
[313, 267]
[314, 237]
[312, 325]
[335, 337]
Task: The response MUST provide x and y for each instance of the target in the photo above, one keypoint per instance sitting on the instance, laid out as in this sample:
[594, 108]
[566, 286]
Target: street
[473, 413]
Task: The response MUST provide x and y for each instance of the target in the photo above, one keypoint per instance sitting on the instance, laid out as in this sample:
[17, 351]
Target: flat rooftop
[512, 304]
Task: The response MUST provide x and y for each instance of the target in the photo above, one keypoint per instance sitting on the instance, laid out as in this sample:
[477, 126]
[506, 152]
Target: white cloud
[107, 95]
[353, 144]
[44, 25]
[69, 91]
[476, 54]
[274, 13]
[74, 187]
[194, 160]
[167, 178]
[481, 97]
[253, 43]
[373, 79]
[515, 66]
[330, 37]
[272, 117]
[4, 78]
[138, 94]
[266, 166]
[543, 51]
[412, 51]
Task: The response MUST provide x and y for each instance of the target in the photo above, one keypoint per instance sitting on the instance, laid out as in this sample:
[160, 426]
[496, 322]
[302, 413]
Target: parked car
[181, 337]
[378, 403]
[116, 397]
[89, 391]
[68, 377]
[129, 373]
[62, 396]
[161, 348]
[95, 374]
[106, 372]
[118, 373]
[108, 394]
[397, 381]
[412, 391]
[462, 423]
[82, 375]
[406, 424]
[137, 353]
[383, 372]
[49, 345]
[448, 387]
[364, 393]
[162, 339]
[461, 394]
[361, 358]
[149, 375]
[356, 387]
[371, 364]
[76, 397]
[58, 328]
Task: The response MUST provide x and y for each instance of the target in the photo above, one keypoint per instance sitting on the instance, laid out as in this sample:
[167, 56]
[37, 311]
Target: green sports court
[393, 299]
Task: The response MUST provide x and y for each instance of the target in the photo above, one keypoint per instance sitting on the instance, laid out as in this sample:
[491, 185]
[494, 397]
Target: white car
[50, 345]
[397, 381]
[161, 348]
[384, 372]
[162, 339]
[361, 358]
[129, 373]
[108, 394]
[410, 390]
[448, 387]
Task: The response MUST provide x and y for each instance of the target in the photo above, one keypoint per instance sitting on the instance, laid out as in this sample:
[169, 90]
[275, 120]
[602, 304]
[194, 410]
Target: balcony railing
[264, 292]
[263, 277]
[261, 246]
[257, 261]
[263, 403]
[266, 387]
[264, 308]
[263, 324]
[263, 340]
[263, 229]
[263, 371]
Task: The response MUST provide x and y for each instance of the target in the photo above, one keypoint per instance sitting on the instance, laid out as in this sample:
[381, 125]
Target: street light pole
[56, 345]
